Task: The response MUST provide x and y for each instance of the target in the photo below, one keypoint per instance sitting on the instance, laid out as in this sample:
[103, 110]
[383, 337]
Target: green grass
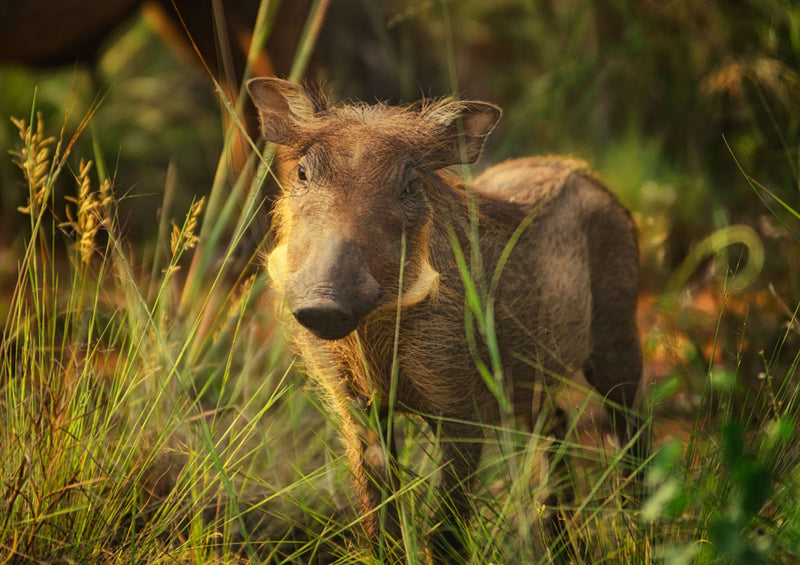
[153, 413]
[139, 430]
[135, 432]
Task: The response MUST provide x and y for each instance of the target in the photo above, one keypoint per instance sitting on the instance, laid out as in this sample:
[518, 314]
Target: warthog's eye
[301, 173]
[412, 189]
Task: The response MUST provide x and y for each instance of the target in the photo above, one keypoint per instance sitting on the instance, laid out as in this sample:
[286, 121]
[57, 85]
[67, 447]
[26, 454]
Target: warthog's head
[356, 198]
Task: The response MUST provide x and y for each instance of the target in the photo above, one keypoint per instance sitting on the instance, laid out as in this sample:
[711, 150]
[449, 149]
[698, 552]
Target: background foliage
[151, 407]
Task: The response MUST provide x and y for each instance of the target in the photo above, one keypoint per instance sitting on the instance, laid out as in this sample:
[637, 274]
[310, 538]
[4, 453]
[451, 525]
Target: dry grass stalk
[33, 157]
[770, 74]
[93, 211]
[241, 294]
[185, 239]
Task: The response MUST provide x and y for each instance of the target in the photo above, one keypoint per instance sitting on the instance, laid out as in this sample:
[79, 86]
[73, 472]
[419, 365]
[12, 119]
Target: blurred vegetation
[689, 111]
[679, 106]
[644, 90]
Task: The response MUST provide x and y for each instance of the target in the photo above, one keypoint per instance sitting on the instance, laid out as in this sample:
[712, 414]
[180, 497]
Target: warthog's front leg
[372, 459]
[461, 446]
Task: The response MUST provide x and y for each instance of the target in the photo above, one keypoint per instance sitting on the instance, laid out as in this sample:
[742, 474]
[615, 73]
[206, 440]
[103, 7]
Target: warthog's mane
[422, 129]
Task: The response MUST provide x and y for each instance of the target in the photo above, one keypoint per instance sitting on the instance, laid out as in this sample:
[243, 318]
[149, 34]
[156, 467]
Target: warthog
[370, 231]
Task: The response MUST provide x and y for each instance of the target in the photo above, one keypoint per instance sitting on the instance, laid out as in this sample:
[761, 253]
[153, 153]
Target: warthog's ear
[464, 127]
[283, 108]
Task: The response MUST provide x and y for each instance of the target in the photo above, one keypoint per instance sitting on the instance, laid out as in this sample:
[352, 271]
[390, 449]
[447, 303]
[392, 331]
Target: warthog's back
[527, 181]
[571, 270]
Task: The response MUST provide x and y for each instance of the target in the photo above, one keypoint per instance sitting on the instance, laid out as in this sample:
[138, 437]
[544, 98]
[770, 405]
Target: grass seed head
[184, 239]
[93, 211]
[242, 294]
[33, 157]
[769, 75]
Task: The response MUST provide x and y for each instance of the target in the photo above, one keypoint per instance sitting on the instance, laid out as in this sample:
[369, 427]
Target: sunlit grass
[152, 414]
[153, 432]
[112, 436]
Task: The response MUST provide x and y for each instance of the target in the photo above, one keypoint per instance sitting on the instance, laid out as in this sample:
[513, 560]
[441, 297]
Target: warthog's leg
[614, 367]
[461, 446]
[615, 370]
[375, 481]
[561, 494]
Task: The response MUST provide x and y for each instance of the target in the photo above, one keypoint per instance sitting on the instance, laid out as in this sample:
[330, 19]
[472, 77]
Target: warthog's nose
[326, 319]
[333, 291]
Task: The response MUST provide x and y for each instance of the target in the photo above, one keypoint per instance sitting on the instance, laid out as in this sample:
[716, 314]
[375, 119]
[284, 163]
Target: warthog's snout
[333, 290]
[326, 319]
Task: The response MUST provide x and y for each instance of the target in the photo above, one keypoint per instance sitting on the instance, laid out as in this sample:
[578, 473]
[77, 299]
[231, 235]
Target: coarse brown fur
[361, 182]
